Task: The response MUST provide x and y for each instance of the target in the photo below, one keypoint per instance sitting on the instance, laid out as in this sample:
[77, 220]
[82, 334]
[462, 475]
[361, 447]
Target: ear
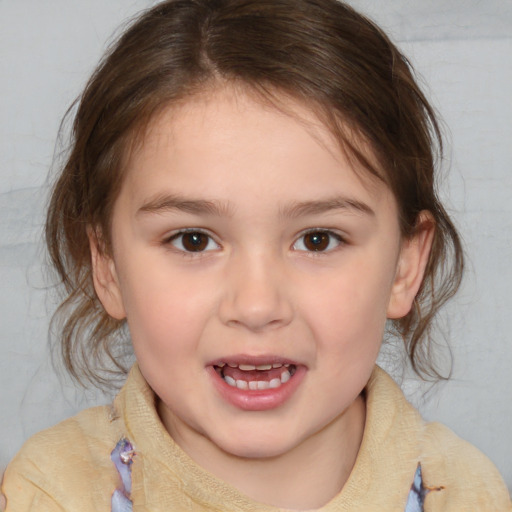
[414, 256]
[104, 276]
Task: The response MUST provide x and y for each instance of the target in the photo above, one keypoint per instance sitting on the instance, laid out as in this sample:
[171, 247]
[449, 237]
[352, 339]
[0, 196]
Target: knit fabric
[69, 467]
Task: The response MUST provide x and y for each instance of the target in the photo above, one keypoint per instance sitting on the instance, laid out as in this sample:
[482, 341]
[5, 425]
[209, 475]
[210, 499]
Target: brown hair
[320, 52]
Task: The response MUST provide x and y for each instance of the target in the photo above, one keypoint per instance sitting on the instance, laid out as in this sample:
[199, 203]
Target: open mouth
[255, 377]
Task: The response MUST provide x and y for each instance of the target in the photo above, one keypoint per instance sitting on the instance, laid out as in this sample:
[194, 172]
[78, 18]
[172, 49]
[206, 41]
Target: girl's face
[256, 269]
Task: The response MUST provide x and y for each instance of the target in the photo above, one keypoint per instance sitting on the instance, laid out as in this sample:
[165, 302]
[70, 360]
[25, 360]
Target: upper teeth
[258, 384]
[250, 367]
[264, 380]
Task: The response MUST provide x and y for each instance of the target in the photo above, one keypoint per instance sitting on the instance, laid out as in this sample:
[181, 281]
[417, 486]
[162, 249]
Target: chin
[256, 446]
[255, 452]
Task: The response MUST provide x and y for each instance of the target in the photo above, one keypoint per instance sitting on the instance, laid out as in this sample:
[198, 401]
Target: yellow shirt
[68, 467]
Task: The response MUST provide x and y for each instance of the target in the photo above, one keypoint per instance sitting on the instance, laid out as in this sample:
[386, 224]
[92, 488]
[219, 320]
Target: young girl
[251, 192]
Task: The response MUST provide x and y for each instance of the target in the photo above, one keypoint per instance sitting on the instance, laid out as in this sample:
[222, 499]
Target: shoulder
[70, 459]
[470, 480]
[82, 436]
[399, 438]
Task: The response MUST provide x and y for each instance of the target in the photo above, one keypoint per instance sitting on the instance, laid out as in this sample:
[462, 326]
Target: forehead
[216, 137]
[334, 134]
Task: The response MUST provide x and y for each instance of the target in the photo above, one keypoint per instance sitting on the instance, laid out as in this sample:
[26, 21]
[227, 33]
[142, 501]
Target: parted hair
[319, 52]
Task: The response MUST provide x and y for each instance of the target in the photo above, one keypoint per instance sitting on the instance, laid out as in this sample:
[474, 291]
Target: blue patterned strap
[418, 493]
[120, 503]
[122, 457]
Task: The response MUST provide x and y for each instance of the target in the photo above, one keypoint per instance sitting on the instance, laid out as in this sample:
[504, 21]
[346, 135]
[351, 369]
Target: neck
[304, 478]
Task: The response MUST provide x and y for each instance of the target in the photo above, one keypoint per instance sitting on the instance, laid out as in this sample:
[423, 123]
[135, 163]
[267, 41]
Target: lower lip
[257, 400]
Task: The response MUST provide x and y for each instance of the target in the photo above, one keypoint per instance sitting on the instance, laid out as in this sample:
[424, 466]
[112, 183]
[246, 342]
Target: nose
[256, 295]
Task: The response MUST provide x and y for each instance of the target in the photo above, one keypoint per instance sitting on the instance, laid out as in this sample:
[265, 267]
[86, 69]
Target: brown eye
[318, 241]
[193, 241]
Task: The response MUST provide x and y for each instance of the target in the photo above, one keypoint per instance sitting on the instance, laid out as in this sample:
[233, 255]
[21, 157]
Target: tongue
[251, 375]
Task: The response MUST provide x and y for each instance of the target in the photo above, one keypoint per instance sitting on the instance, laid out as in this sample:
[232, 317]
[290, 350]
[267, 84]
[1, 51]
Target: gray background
[463, 51]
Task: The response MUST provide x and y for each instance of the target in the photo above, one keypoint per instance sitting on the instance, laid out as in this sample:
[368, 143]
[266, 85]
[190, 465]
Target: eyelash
[322, 236]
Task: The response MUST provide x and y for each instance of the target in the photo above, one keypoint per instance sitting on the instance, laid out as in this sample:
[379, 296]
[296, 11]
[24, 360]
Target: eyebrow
[323, 206]
[170, 203]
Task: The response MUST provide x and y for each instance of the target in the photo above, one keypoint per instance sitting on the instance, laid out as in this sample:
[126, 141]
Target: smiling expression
[256, 269]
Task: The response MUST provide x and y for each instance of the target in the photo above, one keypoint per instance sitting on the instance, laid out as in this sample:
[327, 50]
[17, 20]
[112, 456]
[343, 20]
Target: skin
[254, 180]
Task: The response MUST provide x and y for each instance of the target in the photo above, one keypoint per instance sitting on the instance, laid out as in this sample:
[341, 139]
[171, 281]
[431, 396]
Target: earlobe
[105, 278]
[413, 260]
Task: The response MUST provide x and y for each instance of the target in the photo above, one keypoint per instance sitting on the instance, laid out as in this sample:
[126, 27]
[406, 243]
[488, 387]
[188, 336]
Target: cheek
[166, 311]
[166, 326]
[348, 310]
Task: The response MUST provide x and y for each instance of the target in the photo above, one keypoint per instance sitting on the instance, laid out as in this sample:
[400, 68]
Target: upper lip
[252, 360]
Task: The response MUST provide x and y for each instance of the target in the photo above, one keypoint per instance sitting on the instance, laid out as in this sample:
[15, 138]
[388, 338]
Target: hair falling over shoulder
[319, 52]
